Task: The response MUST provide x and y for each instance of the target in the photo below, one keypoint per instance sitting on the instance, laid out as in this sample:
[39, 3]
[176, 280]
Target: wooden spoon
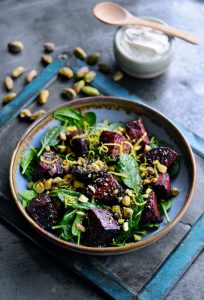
[114, 14]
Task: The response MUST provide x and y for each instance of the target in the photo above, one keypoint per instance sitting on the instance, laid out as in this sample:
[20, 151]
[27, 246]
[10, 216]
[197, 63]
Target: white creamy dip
[142, 43]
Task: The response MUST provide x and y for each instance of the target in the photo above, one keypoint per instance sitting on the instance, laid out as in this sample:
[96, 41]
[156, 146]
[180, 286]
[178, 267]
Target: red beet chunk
[86, 172]
[162, 187]
[114, 138]
[102, 227]
[78, 144]
[136, 130]
[151, 213]
[165, 155]
[106, 189]
[43, 211]
[50, 165]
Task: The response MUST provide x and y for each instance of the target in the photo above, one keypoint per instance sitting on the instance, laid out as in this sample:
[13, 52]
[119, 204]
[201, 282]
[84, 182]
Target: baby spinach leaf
[62, 193]
[66, 225]
[67, 114]
[51, 138]
[75, 230]
[90, 118]
[81, 205]
[115, 126]
[174, 168]
[27, 196]
[164, 206]
[26, 159]
[128, 166]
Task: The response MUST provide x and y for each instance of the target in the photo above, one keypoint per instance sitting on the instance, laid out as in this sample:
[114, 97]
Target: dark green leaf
[90, 118]
[115, 126]
[62, 193]
[26, 159]
[128, 166]
[174, 168]
[164, 206]
[66, 225]
[27, 196]
[75, 231]
[51, 138]
[67, 114]
[80, 205]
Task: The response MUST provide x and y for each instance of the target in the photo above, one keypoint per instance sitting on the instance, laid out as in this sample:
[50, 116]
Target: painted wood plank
[29, 93]
[109, 87]
[176, 264]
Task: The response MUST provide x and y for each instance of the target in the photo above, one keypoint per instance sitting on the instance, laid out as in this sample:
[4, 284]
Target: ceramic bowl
[114, 109]
[139, 69]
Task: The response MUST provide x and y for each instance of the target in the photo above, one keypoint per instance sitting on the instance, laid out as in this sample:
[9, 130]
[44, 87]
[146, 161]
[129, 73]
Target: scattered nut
[80, 213]
[137, 237]
[38, 187]
[125, 226]
[46, 59]
[43, 97]
[80, 53]
[90, 91]
[25, 113]
[88, 77]
[69, 93]
[8, 82]
[17, 72]
[80, 227]
[57, 180]
[104, 68]
[49, 47]
[66, 72]
[118, 75]
[62, 148]
[48, 184]
[83, 198]
[121, 221]
[8, 97]
[175, 191]
[15, 47]
[30, 76]
[79, 85]
[63, 136]
[81, 72]
[127, 212]
[93, 58]
[36, 115]
[78, 184]
[126, 201]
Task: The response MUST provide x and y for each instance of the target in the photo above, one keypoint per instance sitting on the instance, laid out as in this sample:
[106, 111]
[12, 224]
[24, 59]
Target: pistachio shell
[8, 82]
[15, 46]
[25, 113]
[36, 115]
[66, 72]
[79, 85]
[80, 53]
[89, 76]
[49, 47]
[69, 93]
[93, 58]
[90, 91]
[8, 97]
[46, 59]
[43, 97]
[81, 72]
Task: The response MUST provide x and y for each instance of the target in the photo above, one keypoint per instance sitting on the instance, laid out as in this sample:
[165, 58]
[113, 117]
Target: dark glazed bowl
[114, 109]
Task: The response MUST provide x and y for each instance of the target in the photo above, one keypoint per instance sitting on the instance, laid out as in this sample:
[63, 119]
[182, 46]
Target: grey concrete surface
[26, 273]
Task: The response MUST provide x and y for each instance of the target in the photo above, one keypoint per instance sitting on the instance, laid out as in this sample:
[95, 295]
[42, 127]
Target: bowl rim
[99, 250]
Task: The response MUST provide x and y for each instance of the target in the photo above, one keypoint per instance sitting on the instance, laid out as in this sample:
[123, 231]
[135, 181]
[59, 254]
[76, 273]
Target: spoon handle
[170, 31]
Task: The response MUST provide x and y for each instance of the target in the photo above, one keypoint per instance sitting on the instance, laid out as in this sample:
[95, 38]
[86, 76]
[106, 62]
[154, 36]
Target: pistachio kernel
[80, 213]
[93, 58]
[57, 180]
[83, 198]
[7, 98]
[48, 184]
[126, 201]
[15, 47]
[43, 97]
[36, 115]
[81, 72]
[17, 72]
[77, 184]
[88, 77]
[118, 75]
[115, 209]
[39, 187]
[90, 91]
[137, 237]
[125, 226]
[80, 227]
[121, 221]
[62, 148]
[104, 68]
[80, 53]
[66, 72]
[127, 212]
[69, 93]
[46, 59]
[79, 85]
[175, 191]
[25, 113]
[49, 47]
[30, 76]
[8, 82]
[63, 136]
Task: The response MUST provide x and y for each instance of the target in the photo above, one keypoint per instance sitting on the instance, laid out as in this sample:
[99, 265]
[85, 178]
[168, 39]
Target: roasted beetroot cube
[50, 165]
[165, 155]
[162, 187]
[87, 171]
[78, 142]
[136, 130]
[111, 137]
[43, 211]
[151, 214]
[106, 189]
[102, 227]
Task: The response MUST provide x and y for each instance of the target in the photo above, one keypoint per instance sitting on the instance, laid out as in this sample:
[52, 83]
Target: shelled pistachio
[30, 76]
[17, 72]
[8, 82]
[93, 58]
[7, 98]
[88, 77]
[25, 113]
[79, 85]
[36, 115]
[81, 72]
[43, 97]
[46, 59]
[80, 53]
[90, 91]
[118, 75]
[15, 47]
[66, 72]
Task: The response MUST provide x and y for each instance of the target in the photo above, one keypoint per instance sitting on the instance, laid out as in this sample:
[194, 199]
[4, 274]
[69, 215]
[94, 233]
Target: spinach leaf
[174, 168]
[89, 118]
[66, 225]
[80, 205]
[27, 196]
[26, 159]
[111, 127]
[75, 231]
[154, 143]
[128, 166]
[164, 206]
[67, 114]
[62, 193]
[115, 126]
[51, 138]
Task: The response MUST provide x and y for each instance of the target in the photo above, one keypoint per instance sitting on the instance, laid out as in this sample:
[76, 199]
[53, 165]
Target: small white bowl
[145, 69]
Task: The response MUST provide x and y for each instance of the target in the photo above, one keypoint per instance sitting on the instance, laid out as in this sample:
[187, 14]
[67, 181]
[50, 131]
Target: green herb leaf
[174, 168]
[66, 225]
[67, 114]
[51, 138]
[75, 231]
[80, 205]
[26, 159]
[128, 166]
[165, 205]
[115, 126]
[62, 193]
[27, 196]
[90, 118]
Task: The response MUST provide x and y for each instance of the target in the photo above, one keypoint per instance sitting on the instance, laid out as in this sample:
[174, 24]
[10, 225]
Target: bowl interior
[115, 110]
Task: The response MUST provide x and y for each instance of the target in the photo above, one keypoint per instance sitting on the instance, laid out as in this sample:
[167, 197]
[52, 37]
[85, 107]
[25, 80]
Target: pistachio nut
[88, 77]
[93, 58]
[80, 227]
[30, 76]
[127, 212]
[57, 180]
[62, 148]
[17, 72]
[66, 72]
[81, 72]
[175, 191]
[126, 200]
[137, 237]
[121, 221]
[69, 93]
[125, 226]
[43, 97]
[104, 68]
[80, 213]
[79, 85]
[15, 46]
[46, 59]
[39, 187]
[118, 75]
[48, 184]
[49, 47]
[7, 98]
[8, 82]
[80, 53]
[25, 113]
[36, 115]
[63, 136]
[90, 91]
